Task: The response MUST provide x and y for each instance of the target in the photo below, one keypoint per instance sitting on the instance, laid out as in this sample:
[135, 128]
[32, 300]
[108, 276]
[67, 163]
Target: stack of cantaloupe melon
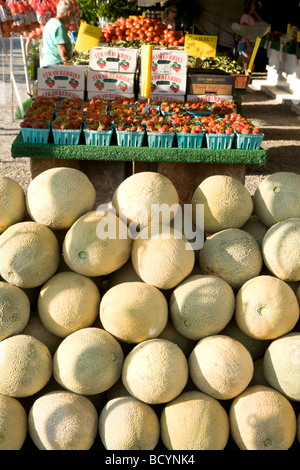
[116, 333]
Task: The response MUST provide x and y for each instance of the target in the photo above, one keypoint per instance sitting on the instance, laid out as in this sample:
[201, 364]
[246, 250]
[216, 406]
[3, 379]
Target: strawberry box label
[210, 97]
[160, 98]
[62, 78]
[109, 82]
[169, 62]
[113, 59]
[108, 96]
[61, 93]
[168, 84]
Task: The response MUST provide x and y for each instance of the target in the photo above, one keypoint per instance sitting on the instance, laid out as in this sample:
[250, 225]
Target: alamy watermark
[166, 220]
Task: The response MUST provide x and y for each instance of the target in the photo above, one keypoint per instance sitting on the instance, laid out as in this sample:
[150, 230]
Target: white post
[22, 40]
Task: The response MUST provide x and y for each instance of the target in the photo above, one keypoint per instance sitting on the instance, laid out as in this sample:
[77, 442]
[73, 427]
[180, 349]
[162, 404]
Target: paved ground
[280, 125]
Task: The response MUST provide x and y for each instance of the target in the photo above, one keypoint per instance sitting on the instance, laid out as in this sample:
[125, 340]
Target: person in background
[57, 47]
[249, 18]
[170, 17]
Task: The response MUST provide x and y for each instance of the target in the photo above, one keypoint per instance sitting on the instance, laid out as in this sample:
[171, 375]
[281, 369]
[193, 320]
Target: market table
[107, 166]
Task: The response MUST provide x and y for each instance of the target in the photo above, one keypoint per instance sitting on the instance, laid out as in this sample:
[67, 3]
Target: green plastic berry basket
[160, 139]
[130, 139]
[189, 141]
[35, 136]
[66, 136]
[94, 137]
[249, 141]
[219, 141]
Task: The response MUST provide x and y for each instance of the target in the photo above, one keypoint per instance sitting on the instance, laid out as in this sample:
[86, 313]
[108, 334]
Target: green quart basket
[93, 137]
[66, 136]
[160, 139]
[219, 141]
[249, 141]
[35, 136]
[189, 141]
[130, 139]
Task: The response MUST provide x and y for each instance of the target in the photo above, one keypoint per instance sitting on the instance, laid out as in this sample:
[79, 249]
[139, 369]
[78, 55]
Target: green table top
[114, 152]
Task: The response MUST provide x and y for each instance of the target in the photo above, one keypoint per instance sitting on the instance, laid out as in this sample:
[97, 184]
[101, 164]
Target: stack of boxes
[111, 73]
[169, 75]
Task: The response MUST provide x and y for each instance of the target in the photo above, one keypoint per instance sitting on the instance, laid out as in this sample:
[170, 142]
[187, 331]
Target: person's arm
[64, 53]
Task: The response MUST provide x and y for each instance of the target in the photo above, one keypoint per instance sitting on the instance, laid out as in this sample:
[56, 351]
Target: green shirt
[54, 33]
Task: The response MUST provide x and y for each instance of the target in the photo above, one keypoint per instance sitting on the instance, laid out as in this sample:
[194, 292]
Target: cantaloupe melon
[136, 314]
[67, 302]
[232, 254]
[25, 366]
[256, 228]
[88, 361]
[261, 418]
[97, 244]
[29, 254]
[220, 366]
[135, 198]
[256, 347]
[162, 257]
[266, 308]
[126, 423]
[171, 334]
[227, 203]
[57, 197]
[194, 421]
[62, 420]
[155, 371]
[13, 423]
[12, 202]
[36, 329]
[298, 428]
[277, 197]
[14, 310]
[281, 249]
[282, 365]
[201, 306]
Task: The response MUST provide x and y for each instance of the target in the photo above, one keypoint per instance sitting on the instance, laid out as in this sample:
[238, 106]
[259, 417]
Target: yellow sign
[88, 37]
[298, 36]
[198, 45]
[146, 68]
[253, 55]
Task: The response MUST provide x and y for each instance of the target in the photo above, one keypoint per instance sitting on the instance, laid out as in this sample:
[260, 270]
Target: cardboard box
[110, 82]
[61, 93]
[113, 59]
[164, 84]
[108, 96]
[62, 77]
[202, 84]
[167, 61]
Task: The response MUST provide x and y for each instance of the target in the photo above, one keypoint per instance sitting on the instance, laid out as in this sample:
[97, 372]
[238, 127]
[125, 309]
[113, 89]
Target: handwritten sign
[88, 37]
[199, 45]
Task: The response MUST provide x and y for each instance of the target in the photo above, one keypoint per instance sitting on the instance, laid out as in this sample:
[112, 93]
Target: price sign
[199, 45]
[88, 37]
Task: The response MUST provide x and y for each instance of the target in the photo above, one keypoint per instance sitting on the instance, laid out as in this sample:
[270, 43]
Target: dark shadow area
[275, 161]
